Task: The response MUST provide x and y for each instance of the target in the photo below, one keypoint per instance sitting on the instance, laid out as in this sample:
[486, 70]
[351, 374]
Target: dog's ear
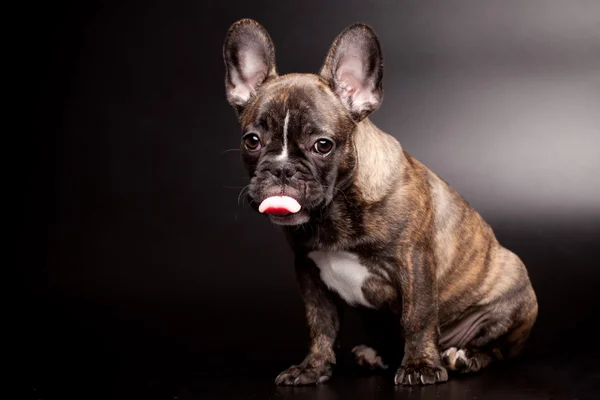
[354, 70]
[249, 57]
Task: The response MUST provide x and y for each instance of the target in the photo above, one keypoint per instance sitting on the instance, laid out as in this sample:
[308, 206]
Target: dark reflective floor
[529, 380]
[526, 379]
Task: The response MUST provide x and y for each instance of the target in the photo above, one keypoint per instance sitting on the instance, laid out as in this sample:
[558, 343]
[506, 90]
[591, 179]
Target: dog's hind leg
[487, 336]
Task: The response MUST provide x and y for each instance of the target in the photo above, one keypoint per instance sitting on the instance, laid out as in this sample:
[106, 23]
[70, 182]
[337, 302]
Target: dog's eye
[252, 142]
[323, 146]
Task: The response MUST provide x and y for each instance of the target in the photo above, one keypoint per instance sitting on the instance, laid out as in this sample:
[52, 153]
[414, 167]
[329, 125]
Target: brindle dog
[370, 225]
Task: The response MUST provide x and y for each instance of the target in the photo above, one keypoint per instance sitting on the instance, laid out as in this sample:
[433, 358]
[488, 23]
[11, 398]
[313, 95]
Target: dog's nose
[285, 169]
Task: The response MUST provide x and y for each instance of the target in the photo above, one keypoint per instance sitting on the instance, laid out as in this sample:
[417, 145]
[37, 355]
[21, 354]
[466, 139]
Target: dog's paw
[420, 374]
[298, 375]
[455, 359]
[367, 357]
[465, 360]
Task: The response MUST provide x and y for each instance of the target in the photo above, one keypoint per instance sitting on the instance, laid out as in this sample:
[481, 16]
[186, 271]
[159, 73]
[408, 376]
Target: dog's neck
[379, 161]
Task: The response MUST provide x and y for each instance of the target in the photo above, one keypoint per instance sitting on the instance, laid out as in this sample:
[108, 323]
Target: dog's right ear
[249, 57]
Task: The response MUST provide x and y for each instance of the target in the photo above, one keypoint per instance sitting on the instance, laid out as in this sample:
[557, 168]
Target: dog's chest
[343, 273]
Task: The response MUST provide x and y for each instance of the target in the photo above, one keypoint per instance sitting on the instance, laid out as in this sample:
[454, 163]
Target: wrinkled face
[297, 148]
[297, 129]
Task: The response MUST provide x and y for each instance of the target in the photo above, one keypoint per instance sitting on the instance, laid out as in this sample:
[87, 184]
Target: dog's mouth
[279, 206]
[283, 210]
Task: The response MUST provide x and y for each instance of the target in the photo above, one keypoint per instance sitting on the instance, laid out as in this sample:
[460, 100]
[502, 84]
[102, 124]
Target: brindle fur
[434, 262]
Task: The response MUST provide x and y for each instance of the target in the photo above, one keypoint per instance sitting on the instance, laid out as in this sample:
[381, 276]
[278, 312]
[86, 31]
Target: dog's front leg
[322, 317]
[421, 363]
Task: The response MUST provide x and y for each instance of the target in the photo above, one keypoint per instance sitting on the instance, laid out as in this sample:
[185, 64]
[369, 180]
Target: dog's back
[482, 284]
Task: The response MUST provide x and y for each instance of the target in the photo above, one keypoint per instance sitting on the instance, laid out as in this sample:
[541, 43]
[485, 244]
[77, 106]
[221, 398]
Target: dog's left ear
[249, 57]
[354, 70]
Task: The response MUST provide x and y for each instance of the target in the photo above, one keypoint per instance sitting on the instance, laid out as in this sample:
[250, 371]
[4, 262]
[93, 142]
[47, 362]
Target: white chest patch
[343, 273]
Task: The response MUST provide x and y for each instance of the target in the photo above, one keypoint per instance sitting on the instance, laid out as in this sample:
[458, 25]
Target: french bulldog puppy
[370, 226]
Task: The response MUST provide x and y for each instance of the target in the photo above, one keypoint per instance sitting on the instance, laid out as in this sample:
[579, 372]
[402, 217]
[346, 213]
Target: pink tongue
[279, 205]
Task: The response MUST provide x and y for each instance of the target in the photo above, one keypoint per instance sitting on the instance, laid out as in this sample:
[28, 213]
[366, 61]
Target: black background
[143, 277]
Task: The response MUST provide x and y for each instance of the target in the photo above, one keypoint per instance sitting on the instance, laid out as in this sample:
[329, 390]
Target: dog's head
[297, 129]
